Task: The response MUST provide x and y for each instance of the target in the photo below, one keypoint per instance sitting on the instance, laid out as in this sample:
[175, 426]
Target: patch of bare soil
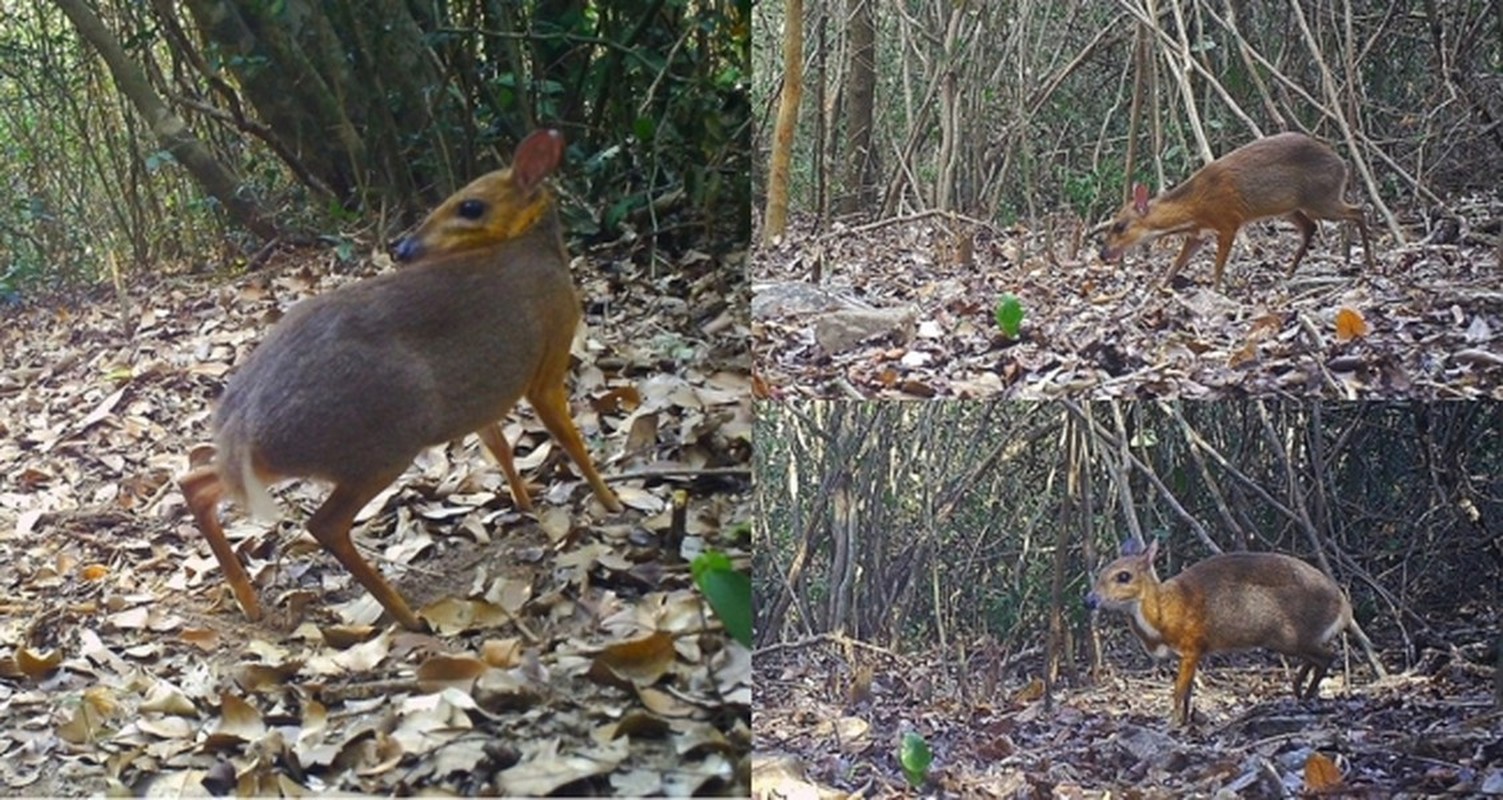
[906, 308]
[829, 719]
[571, 652]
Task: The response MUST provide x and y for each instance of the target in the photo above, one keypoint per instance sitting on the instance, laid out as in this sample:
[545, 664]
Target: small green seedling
[915, 757]
[728, 591]
[1010, 315]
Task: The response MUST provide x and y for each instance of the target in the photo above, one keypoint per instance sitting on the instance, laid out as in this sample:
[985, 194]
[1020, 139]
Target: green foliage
[1144, 437]
[33, 232]
[343, 247]
[1009, 315]
[728, 592]
[1092, 194]
[915, 757]
[1002, 617]
[337, 212]
[373, 119]
[1081, 191]
[1179, 478]
[656, 114]
[158, 159]
[16, 275]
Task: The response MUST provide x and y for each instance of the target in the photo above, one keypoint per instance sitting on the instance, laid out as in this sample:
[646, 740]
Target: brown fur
[1288, 174]
[1233, 601]
[351, 385]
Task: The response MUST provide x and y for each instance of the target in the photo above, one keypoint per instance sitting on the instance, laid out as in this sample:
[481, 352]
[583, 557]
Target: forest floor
[832, 729]
[571, 651]
[906, 308]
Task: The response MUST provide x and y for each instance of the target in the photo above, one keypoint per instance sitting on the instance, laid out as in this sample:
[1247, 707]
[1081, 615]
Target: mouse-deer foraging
[351, 385]
[1233, 601]
[1288, 174]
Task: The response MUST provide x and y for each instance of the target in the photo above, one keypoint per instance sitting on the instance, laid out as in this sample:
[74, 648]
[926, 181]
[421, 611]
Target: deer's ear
[537, 157]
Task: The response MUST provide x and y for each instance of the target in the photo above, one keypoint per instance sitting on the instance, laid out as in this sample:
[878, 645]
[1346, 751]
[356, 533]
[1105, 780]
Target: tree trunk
[344, 87]
[859, 189]
[776, 222]
[169, 128]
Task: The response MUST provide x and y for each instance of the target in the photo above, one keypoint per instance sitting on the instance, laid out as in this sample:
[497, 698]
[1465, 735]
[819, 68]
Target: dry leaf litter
[894, 309]
[571, 652]
[830, 714]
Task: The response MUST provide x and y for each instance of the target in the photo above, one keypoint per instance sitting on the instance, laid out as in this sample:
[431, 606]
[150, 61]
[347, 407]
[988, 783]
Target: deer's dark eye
[1124, 577]
[472, 209]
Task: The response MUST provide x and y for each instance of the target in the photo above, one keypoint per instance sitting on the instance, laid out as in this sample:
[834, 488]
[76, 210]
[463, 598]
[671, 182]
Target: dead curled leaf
[440, 672]
[343, 636]
[366, 655]
[506, 690]
[35, 665]
[637, 723]
[1322, 776]
[501, 652]
[99, 412]
[254, 677]
[619, 398]
[238, 719]
[639, 662]
[96, 708]
[1350, 325]
[165, 698]
[543, 769]
[452, 616]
